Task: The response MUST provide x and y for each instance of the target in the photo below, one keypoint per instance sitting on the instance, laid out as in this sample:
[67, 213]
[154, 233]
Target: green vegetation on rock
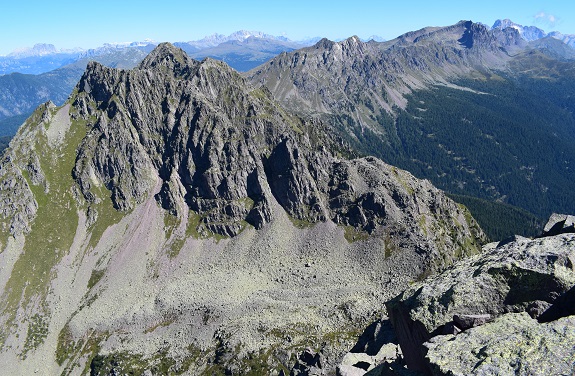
[53, 228]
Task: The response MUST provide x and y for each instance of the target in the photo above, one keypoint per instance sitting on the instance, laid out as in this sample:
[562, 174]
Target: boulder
[513, 344]
[308, 364]
[349, 370]
[465, 322]
[559, 224]
[377, 345]
[532, 276]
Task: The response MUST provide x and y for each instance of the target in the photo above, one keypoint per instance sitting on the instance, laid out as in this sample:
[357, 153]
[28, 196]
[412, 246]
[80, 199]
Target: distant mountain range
[479, 111]
[33, 76]
[46, 57]
[531, 33]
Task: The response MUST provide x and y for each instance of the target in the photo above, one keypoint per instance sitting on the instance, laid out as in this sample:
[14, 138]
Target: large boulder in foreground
[519, 290]
[513, 344]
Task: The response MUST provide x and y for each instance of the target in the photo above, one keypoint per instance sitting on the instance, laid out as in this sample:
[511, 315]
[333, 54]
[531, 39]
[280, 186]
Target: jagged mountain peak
[353, 39]
[169, 57]
[349, 44]
[352, 42]
[529, 33]
[505, 23]
[324, 43]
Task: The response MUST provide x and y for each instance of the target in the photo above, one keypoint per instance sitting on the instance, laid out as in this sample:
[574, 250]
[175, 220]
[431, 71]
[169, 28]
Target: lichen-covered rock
[524, 275]
[513, 344]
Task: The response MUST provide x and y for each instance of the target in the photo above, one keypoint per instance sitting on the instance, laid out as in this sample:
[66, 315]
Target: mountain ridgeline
[26, 81]
[479, 112]
[248, 233]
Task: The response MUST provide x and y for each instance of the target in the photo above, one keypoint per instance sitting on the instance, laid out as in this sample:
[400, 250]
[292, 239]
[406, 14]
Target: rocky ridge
[246, 232]
[417, 101]
[358, 79]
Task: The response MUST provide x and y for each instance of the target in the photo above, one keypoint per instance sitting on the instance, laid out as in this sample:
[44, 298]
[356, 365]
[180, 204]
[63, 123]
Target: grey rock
[537, 308]
[521, 276]
[349, 370]
[563, 306]
[465, 322]
[451, 328]
[374, 337]
[376, 345]
[308, 364]
[559, 224]
[513, 344]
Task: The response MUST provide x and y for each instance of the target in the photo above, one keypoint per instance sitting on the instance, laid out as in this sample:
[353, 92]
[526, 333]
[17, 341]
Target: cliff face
[174, 218]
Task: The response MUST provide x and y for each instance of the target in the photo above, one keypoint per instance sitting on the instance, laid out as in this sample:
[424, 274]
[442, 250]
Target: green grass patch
[95, 277]
[53, 229]
[135, 364]
[423, 224]
[300, 223]
[166, 322]
[37, 333]
[352, 234]
[107, 216]
[175, 245]
[69, 351]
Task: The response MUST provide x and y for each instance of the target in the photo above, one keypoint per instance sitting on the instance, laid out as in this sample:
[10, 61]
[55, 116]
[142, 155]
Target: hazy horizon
[67, 24]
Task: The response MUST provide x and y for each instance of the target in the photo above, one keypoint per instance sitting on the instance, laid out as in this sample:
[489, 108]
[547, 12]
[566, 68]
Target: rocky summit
[173, 219]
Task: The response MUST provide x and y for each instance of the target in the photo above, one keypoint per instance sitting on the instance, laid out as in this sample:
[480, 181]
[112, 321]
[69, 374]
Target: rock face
[505, 311]
[359, 79]
[172, 218]
[512, 344]
[559, 224]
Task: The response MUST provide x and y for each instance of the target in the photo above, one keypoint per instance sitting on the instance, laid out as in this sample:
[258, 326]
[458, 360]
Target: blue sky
[89, 24]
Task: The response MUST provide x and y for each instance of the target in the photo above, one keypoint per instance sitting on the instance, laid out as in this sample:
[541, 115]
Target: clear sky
[89, 24]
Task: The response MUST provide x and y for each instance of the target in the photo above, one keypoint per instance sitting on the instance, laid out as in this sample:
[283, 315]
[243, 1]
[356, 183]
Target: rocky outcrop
[199, 128]
[21, 168]
[488, 313]
[559, 224]
[225, 149]
[512, 344]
